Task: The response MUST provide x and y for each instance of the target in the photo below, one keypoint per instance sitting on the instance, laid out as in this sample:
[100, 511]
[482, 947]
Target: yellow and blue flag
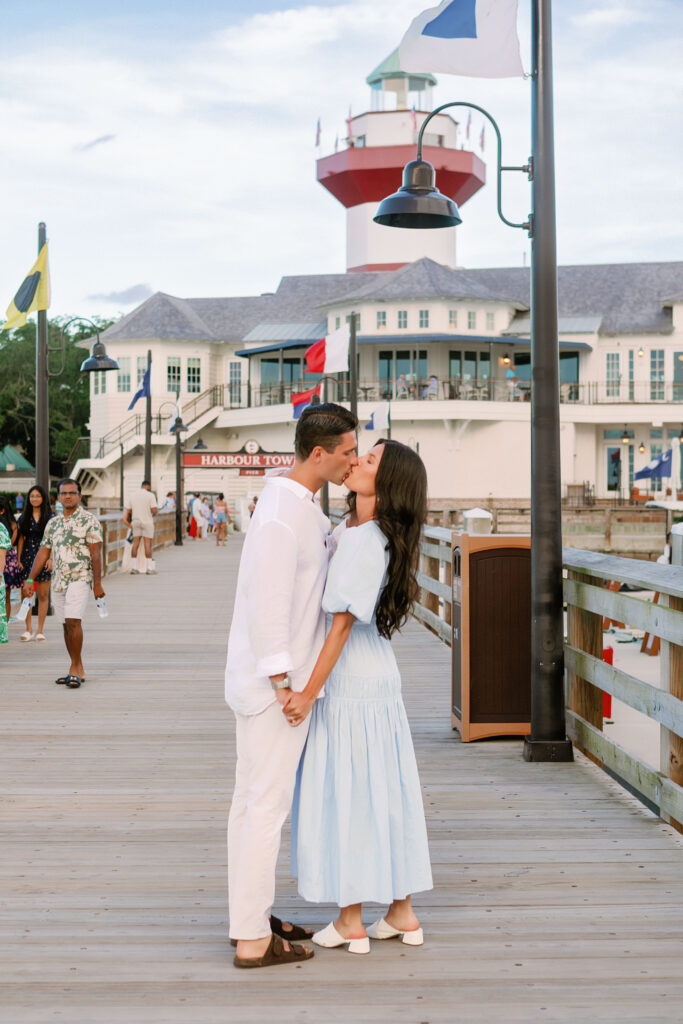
[33, 294]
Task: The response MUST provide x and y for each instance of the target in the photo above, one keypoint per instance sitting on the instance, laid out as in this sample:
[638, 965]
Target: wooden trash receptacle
[491, 622]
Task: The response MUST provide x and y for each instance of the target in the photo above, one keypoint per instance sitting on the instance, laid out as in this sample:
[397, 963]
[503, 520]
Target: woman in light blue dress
[358, 827]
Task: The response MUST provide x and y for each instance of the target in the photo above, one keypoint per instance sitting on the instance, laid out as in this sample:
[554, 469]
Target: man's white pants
[268, 754]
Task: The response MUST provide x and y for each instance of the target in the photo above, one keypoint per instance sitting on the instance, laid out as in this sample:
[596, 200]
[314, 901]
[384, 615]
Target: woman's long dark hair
[400, 512]
[27, 513]
[6, 517]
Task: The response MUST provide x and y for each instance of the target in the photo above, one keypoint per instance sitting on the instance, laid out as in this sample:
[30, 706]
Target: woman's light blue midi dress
[358, 825]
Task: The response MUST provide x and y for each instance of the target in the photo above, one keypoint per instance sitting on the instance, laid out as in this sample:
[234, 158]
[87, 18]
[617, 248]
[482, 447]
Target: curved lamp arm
[62, 347]
[527, 168]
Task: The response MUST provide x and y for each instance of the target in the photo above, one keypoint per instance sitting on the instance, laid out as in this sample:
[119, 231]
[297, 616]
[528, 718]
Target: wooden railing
[589, 602]
[115, 531]
[435, 579]
[588, 675]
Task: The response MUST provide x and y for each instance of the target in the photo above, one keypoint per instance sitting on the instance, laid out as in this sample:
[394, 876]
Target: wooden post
[608, 529]
[584, 631]
[431, 569]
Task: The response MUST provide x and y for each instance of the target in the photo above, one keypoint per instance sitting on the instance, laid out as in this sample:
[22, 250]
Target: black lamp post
[98, 360]
[419, 204]
[199, 446]
[178, 428]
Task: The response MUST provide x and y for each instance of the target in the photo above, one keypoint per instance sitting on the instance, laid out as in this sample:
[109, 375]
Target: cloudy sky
[171, 145]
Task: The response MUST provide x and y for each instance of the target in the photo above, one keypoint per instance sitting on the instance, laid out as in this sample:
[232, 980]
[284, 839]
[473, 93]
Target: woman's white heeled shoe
[381, 930]
[330, 937]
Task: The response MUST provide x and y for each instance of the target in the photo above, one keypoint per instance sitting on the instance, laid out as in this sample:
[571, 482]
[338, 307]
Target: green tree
[68, 394]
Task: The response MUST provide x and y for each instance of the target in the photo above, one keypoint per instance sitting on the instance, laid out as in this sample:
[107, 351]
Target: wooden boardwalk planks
[556, 894]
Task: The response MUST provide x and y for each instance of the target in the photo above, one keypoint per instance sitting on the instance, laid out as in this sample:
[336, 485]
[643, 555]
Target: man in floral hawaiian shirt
[75, 541]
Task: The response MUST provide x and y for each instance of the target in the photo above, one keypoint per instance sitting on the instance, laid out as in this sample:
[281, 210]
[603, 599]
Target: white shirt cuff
[274, 664]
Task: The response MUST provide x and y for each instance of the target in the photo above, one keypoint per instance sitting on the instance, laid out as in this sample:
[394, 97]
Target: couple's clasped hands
[295, 706]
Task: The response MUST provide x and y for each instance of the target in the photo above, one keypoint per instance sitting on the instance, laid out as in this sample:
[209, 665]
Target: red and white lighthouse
[378, 145]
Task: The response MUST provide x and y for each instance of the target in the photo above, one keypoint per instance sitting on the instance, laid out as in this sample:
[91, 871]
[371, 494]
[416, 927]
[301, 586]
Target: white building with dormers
[437, 343]
[447, 347]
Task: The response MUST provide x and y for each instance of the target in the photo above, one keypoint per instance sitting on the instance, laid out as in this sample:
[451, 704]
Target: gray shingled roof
[627, 298]
[286, 332]
[565, 325]
[161, 316]
[426, 279]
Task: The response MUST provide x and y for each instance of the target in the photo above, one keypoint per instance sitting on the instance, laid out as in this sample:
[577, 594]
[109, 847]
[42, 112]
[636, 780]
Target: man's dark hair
[322, 425]
[146, 483]
[68, 480]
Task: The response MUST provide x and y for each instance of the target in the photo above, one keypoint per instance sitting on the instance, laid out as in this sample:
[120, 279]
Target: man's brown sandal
[296, 932]
[276, 954]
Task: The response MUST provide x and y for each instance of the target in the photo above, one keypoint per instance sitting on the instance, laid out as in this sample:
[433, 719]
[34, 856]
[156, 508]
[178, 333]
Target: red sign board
[252, 472]
[238, 460]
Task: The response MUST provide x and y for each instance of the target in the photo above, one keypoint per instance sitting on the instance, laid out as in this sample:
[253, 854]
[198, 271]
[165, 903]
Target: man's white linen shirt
[278, 624]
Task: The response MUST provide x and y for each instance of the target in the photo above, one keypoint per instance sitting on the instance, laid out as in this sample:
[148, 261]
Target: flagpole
[548, 739]
[325, 489]
[42, 453]
[353, 367]
[148, 422]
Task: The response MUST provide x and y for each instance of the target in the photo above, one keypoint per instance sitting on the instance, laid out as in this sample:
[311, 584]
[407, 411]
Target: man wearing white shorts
[139, 516]
[75, 541]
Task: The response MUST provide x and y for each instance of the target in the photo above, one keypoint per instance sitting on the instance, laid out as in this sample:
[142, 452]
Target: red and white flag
[414, 117]
[302, 399]
[469, 123]
[482, 138]
[330, 354]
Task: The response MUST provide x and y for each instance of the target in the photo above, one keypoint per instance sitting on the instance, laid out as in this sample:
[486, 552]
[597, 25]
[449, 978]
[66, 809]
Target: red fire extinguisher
[607, 656]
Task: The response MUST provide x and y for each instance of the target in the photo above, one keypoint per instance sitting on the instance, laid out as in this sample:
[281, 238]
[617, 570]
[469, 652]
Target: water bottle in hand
[26, 606]
[101, 603]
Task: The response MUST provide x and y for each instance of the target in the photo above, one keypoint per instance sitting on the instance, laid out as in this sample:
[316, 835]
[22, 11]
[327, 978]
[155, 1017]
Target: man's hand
[97, 591]
[298, 708]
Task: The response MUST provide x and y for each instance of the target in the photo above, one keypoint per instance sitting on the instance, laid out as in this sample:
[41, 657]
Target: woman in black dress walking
[34, 519]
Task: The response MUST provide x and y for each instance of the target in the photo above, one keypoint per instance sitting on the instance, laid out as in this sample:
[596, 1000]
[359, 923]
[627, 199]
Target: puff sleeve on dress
[357, 570]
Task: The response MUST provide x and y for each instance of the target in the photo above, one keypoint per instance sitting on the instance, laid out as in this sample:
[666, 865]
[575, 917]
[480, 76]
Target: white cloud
[207, 184]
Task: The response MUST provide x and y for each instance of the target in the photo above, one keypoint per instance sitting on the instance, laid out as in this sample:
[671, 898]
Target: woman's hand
[297, 708]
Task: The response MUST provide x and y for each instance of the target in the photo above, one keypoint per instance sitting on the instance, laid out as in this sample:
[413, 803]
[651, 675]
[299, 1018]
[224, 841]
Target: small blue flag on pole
[657, 468]
[144, 391]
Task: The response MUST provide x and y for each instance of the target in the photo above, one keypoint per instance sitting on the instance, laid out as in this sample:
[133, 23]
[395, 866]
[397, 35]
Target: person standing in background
[198, 516]
[32, 523]
[19, 503]
[12, 569]
[75, 541]
[222, 517]
[5, 545]
[139, 516]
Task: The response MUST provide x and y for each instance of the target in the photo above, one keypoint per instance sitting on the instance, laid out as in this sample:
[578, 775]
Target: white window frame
[123, 376]
[174, 379]
[194, 375]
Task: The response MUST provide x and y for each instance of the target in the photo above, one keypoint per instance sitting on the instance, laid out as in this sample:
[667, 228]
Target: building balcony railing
[469, 389]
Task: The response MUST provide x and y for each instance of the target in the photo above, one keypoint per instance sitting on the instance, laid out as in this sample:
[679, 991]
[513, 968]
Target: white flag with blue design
[476, 38]
[657, 468]
[379, 418]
